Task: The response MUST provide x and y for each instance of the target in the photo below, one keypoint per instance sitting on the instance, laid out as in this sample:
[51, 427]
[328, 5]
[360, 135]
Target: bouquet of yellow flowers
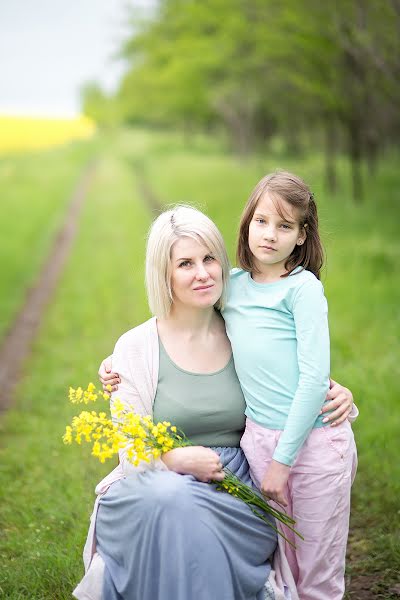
[145, 441]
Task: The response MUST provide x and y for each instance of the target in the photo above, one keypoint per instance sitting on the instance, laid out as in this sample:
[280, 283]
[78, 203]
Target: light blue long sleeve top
[280, 341]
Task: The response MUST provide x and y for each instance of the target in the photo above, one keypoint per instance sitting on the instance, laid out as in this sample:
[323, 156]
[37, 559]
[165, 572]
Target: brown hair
[292, 189]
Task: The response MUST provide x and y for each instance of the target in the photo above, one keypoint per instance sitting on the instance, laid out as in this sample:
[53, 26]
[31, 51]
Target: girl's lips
[268, 248]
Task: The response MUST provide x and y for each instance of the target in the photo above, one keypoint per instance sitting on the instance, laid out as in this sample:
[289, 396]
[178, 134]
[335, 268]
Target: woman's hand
[203, 463]
[106, 376]
[275, 481]
[340, 403]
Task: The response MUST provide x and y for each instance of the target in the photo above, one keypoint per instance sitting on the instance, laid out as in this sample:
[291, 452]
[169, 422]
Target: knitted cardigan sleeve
[135, 359]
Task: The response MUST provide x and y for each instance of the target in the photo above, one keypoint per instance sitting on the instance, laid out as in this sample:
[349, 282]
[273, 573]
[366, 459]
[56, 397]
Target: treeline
[315, 73]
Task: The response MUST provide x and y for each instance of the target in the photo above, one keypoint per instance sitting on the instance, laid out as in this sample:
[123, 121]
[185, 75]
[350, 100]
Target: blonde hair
[173, 224]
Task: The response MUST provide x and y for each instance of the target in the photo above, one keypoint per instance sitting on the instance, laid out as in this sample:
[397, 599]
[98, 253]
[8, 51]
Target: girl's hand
[341, 404]
[275, 481]
[203, 463]
[106, 376]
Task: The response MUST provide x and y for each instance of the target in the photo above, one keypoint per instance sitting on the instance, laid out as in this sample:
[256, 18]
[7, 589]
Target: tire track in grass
[17, 343]
[146, 192]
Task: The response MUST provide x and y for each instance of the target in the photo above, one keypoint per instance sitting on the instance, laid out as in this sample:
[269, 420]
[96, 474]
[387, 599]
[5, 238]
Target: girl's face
[196, 276]
[273, 237]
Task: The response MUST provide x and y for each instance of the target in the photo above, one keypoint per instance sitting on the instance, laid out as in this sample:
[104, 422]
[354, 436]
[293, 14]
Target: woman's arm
[203, 463]
[340, 402]
[339, 399]
[132, 400]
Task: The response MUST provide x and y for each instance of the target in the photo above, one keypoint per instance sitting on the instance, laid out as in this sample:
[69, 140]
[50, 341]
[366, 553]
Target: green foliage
[100, 107]
[316, 73]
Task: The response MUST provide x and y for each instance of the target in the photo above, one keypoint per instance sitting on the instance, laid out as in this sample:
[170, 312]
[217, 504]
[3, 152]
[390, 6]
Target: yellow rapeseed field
[28, 133]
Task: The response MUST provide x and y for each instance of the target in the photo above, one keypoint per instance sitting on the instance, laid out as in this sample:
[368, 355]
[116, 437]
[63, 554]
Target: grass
[35, 190]
[47, 489]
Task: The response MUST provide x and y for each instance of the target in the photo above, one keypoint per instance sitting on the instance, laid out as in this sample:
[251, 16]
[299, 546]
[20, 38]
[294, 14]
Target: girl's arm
[106, 376]
[310, 314]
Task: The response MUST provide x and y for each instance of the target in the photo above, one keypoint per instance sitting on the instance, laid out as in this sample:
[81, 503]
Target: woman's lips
[203, 287]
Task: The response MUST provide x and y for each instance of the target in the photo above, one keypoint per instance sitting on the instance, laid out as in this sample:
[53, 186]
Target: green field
[34, 191]
[46, 488]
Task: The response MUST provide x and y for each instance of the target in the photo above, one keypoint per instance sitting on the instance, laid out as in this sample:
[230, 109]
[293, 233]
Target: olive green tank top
[207, 407]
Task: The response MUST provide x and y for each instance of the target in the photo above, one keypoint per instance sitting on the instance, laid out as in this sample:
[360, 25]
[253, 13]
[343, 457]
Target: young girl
[276, 320]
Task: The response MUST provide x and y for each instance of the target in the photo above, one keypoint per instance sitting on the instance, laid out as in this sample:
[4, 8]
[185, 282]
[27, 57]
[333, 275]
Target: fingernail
[325, 420]
[334, 424]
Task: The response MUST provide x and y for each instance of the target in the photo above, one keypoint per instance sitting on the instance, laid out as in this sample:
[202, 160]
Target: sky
[50, 48]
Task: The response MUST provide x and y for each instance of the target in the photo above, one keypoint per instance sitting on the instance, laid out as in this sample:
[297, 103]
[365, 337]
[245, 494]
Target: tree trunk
[331, 180]
[240, 123]
[372, 152]
[356, 161]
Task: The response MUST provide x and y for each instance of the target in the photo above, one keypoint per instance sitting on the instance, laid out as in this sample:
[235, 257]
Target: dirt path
[17, 343]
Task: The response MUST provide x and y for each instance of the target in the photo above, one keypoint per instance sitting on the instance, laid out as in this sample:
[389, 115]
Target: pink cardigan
[136, 359]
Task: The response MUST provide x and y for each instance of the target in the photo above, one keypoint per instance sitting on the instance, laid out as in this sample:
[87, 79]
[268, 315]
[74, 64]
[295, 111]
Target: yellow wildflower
[67, 437]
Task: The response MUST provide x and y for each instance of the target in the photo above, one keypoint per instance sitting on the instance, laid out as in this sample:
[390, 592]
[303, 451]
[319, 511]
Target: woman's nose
[201, 272]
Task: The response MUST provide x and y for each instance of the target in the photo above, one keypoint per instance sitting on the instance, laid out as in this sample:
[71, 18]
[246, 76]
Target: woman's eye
[185, 263]
[209, 258]
[259, 220]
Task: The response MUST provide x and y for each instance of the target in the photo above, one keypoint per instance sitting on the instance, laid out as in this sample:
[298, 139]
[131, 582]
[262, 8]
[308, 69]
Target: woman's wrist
[173, 460]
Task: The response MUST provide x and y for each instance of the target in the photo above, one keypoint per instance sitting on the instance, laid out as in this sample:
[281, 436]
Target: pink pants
[318, 496]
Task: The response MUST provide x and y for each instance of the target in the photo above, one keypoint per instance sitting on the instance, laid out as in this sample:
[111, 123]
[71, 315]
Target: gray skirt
[165, 536]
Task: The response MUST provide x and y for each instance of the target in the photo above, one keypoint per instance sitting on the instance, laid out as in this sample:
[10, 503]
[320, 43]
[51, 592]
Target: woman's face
[196, 276]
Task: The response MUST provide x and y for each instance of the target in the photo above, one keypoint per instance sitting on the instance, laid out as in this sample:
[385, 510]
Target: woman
[163, 532]
[179, 367]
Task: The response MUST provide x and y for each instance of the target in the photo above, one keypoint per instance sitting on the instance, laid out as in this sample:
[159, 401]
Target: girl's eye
[286, 226]
[185, 263]
[260, 220]
[209, 258]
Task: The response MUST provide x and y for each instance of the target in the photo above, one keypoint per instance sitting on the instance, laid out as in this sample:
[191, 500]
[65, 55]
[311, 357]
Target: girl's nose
[270, 232]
